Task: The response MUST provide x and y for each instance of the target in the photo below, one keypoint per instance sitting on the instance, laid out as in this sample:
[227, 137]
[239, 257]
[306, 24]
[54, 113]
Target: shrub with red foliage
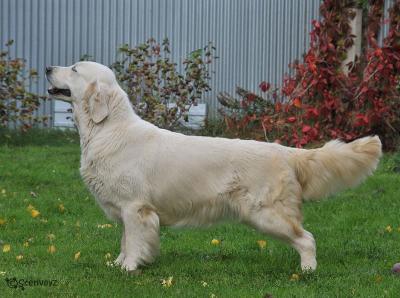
[322, 101]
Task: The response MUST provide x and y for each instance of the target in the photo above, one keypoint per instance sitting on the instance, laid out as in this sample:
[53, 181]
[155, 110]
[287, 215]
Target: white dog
[145, 177]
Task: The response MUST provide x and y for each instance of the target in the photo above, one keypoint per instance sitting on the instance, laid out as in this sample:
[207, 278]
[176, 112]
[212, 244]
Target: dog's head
[83, 81]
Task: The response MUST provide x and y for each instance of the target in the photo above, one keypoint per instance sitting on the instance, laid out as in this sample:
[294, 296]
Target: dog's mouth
[59, 91]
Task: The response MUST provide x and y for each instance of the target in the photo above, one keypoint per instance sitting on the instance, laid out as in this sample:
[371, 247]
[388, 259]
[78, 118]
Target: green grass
[355, 253]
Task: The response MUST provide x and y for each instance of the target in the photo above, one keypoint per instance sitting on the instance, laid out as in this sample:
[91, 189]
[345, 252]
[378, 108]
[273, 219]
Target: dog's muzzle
[54, 90]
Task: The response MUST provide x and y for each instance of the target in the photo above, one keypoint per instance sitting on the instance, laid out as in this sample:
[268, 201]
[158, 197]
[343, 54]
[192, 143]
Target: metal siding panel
[96, 25]
[77, 30]
[63, 33]
[12, 11]
[120, 25]
[139, 24]
[274, 40]
[91, 23]
[69, 36]
[385, 28]
[19, 38]
[84, 41]
[2, 23]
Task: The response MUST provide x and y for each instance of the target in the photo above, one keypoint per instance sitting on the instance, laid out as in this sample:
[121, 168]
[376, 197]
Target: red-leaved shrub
[321, 100]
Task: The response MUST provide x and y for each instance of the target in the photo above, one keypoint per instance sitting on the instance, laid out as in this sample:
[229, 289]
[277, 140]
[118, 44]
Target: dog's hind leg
[142, 241]
[270, 221]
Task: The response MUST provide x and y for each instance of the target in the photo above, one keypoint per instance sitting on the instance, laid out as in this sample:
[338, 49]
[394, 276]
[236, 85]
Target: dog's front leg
[121, 257]
[141, 229]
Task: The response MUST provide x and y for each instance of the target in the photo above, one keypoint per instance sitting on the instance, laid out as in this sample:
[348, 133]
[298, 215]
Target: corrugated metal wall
[255, 39]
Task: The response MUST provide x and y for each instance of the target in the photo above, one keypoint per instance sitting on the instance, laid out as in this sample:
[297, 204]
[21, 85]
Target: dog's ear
[98, 106]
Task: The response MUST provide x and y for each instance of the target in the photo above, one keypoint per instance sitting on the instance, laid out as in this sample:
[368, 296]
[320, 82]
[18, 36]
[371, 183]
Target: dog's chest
[100, 183]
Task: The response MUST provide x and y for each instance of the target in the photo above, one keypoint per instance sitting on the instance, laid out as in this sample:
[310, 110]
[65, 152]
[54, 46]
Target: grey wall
[255, 39]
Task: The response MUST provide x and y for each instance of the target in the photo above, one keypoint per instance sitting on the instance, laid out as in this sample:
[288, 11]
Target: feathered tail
[335, 166]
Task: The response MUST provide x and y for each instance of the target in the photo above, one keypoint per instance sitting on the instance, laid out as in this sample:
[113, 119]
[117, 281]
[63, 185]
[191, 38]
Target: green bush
[158, 92]
[17, 104]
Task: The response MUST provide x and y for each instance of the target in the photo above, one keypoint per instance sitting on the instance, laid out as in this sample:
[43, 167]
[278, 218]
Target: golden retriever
[144, 176]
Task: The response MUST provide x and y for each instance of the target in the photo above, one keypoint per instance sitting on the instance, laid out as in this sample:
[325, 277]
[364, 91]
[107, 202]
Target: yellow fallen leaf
[110, 264]
[215, 242]
[35, 213]
[167, 282]
[2, 221]
[26, 244]
[105, 226]
[262, 243]
[19, 257]
[388, 229]
[30, 207]
[51, 249]
[61, 208]
[6, 247]
[107, 256]
[77, 255]
[294, 277]
[51, 237]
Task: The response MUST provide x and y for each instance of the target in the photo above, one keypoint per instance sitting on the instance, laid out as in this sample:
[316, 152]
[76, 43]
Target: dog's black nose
[48, 69]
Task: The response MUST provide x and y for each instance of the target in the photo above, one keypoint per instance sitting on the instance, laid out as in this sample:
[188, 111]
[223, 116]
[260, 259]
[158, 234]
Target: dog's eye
[74, 69]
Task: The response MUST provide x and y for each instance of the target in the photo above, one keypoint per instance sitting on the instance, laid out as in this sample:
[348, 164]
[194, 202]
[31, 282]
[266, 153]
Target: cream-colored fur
[336, 166]
[145, 177]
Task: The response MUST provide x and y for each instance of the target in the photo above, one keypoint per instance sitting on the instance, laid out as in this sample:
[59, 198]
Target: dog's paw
[309, 265]
[129, 265]
[120, 259]
[135, 272]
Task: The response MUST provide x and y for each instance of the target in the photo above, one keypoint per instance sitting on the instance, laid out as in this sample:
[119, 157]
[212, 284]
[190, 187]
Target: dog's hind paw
[309, 266]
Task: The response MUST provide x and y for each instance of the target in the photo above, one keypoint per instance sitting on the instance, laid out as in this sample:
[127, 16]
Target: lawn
[71, 241]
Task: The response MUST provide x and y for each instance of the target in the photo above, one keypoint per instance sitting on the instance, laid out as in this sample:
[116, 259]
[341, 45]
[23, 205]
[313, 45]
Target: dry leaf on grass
[6, 248]
[51, 249]
[215, 242]
[262, 244]
[167, 282]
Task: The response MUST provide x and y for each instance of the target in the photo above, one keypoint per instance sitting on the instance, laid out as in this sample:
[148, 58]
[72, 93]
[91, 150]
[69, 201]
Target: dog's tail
[335, 166]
